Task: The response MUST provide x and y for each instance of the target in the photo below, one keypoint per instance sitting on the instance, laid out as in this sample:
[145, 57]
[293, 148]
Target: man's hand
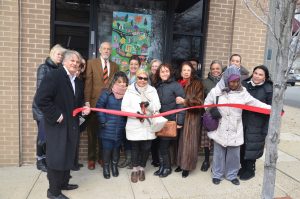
[180, 100]
[86, 110]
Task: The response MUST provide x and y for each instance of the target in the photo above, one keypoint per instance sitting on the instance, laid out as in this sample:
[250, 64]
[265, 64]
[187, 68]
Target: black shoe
[235, 181]
[41, 165]
[216, 181]
[165, 173]
[80, 165]
[76, 168]
[70, 187]
[247, 175]
[114, 169]
[178, 169]
[155, 164]
[60, 196]
[241, 171]
[159, 171]
[185, 173]
[205, 166]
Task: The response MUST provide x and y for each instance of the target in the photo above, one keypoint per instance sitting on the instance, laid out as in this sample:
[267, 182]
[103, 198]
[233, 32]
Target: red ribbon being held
[128, 114]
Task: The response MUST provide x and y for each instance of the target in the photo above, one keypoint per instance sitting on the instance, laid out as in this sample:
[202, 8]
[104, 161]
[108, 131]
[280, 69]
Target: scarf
[183, 82]
[253, 84]
[118, 91]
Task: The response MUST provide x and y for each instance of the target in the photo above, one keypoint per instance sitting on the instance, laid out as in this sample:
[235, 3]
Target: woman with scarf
[210, 82]
[112, 127]
[140, 98]
[228, 137]
[189, 136]
[260, 86]
[168, 89]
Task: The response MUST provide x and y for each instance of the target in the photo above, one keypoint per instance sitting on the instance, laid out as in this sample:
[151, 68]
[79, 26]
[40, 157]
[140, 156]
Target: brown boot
[141, 175]
[134, 176]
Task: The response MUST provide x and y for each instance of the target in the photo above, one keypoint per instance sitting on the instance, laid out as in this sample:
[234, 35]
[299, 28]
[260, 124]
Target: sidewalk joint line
[33, 185]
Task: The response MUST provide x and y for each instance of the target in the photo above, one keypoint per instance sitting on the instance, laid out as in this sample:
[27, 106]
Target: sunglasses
[143, 78]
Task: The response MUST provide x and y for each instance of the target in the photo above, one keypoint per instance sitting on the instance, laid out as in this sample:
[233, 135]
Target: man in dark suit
[59, 94]
[98, 75]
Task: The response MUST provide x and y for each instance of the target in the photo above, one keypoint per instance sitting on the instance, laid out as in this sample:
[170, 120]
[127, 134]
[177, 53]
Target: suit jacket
[55, 96]
[94, 83]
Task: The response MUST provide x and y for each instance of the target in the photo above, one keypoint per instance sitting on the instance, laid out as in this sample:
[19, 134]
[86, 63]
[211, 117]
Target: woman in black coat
[167, 89]
[255, 125]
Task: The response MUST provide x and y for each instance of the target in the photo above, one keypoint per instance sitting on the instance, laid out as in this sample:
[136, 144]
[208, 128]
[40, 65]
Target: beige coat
[230, 129]
[136, 130]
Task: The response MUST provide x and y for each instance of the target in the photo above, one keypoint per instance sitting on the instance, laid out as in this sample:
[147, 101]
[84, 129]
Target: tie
[105, 72]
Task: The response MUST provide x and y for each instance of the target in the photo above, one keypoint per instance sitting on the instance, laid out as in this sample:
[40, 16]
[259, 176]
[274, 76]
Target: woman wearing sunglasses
[140, 98]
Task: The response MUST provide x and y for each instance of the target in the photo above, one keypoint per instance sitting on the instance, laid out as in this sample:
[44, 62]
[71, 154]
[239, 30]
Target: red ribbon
[128, 114]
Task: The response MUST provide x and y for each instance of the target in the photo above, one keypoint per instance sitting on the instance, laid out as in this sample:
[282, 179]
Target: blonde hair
[56, 48]
[141, 71]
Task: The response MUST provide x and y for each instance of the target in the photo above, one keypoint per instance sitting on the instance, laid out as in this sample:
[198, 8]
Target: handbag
[169, 130]
[211, 123]
[158, 123]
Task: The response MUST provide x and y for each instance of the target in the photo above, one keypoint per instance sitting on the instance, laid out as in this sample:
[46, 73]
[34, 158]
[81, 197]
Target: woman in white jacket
[228, 137]
[141, 98]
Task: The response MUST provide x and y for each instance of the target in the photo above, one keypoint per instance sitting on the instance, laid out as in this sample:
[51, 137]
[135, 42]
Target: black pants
[164, 146]
[57, 180]
[154, 150]
[140, 152]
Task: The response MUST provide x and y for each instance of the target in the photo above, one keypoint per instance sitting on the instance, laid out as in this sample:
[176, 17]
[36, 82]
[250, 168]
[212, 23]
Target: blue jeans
[110, 144]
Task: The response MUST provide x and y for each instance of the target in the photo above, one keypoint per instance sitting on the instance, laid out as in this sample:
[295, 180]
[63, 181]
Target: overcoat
[190, 135]
[55, 96]
[256, 124]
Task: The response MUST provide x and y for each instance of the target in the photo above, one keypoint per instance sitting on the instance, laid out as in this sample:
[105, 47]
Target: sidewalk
[27, 182]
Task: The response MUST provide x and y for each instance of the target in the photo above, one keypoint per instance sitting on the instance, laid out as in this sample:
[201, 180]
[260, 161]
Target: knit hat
[231, 73]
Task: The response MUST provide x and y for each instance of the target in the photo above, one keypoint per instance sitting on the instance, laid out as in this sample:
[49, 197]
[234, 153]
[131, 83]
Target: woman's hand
[180, 100]
[179, 126]
[86, 110]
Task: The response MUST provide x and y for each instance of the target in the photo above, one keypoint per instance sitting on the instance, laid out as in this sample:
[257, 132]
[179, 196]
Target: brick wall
[9, 120]
[35, 44]
[233, 29]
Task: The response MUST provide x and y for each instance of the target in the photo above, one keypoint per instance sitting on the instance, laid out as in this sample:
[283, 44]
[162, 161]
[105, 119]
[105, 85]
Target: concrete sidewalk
[27, 182]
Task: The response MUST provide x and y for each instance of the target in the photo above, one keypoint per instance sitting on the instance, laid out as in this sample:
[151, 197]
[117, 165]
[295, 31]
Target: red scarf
[183, 82]
[118, 91]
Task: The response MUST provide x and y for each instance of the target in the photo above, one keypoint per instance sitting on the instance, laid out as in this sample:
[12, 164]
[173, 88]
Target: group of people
[64, 83]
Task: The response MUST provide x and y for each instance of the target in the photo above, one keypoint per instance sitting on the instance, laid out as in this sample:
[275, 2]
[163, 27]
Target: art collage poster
[131, 34]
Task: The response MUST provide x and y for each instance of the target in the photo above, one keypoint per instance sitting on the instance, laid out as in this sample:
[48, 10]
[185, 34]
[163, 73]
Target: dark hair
[266, 70]
[194, 59]
[236, 55]
[135, 57]
[193, 71]
[157, 78]
[116, 77]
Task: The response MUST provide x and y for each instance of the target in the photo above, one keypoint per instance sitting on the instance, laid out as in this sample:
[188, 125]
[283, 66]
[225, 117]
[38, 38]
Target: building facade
[30, 28]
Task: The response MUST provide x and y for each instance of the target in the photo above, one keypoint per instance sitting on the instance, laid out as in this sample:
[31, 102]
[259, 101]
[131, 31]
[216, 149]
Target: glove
[215, 113]
[102, 125]
[144, 104]
[141, 119]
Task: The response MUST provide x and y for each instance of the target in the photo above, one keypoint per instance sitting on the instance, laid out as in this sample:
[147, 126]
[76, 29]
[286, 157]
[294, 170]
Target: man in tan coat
[98, 75]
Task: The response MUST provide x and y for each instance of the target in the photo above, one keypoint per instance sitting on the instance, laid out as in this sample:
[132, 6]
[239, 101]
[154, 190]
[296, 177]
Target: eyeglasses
[143, 78]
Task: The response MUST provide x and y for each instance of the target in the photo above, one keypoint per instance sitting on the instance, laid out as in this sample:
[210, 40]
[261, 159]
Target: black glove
[141, 119]
[145, 104]
[215, 113]
[102, 125]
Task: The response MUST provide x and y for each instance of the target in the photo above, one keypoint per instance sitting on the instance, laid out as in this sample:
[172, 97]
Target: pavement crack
[33, 185]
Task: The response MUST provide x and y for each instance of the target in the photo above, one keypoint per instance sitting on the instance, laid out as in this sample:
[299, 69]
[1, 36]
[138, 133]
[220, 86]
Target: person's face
[154, 67]
[233, 85]
[142, 80]
[133, 66]
[195, 64]
[83, 65]
[215, 70]
[259, 76]
[105, 51]
[235, 60]
[186, 72]
[72, 64]
[58, 57]
[164, 73]
[120, 82]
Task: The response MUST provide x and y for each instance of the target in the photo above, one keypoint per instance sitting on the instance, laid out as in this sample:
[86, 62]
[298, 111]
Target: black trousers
[154, 150]
[140, 152]
[164, 146]
[57, 180]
